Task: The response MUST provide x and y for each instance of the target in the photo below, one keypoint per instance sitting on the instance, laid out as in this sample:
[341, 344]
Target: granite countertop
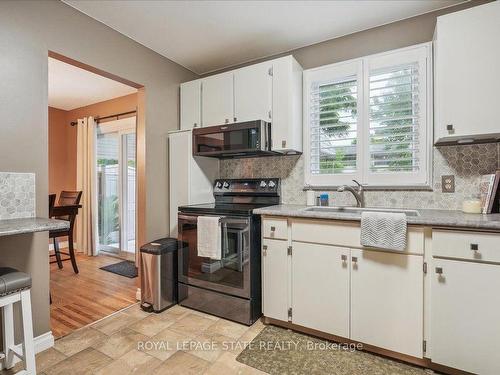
[434, 218]
[9, 227]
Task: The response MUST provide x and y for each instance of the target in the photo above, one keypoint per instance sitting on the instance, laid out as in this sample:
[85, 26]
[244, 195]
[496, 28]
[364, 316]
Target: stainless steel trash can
[159, 274]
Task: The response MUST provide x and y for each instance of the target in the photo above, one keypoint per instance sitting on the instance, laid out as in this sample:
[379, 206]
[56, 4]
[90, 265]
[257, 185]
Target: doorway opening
[96, 179]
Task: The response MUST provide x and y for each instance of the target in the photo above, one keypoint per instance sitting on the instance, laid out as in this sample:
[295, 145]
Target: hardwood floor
[78, 300]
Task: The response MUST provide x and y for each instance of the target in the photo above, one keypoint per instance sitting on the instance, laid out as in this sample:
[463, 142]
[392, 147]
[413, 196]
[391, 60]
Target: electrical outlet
[448, 184]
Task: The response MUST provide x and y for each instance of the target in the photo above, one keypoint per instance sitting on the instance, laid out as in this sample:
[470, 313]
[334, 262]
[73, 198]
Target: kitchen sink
[359, 210]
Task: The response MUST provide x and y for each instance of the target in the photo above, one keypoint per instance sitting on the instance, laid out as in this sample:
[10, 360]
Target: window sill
[372, 188]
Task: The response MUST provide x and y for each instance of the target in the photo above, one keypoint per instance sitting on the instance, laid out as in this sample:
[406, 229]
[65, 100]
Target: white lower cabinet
[320, 288]
[275, 278]
[387, 300]
[465, 315]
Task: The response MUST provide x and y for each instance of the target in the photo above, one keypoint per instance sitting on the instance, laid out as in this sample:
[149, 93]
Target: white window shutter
[396, 118]
[333, 99]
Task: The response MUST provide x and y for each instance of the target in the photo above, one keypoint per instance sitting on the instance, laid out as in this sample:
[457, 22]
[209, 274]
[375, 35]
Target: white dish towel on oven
[209, 237]
[384, 230]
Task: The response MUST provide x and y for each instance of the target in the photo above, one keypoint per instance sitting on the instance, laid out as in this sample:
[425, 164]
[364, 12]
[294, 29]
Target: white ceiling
[204, 36]
[71, 87]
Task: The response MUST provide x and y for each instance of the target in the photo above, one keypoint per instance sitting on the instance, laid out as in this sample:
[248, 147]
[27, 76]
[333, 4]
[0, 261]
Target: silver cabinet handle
[439, 270]
[354, 259]
[235, 119]
[449, 127]
[273, 229]
[195, 125]
[343, 257]
[264, 250]
[227, 121]
[264, 247]
[474, 246]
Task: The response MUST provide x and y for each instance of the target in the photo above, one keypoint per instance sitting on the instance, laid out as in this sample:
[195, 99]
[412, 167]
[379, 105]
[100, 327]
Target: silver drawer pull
[343, 257]
[273, 229]
[264, 247]
[474, 246]
[354, 259]
[439, 270]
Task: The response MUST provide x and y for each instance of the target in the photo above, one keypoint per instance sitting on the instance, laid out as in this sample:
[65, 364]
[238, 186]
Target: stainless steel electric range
[229, 287]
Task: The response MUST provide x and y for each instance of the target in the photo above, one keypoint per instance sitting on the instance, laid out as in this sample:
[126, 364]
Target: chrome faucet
[357, 192]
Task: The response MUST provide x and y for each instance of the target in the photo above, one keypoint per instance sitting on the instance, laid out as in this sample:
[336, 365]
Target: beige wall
[62, 138]
[62, 152]
[29, 29]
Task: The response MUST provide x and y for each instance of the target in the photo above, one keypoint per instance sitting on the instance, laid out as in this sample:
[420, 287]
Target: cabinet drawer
[275, 228]
[346, 234]
[466, 245]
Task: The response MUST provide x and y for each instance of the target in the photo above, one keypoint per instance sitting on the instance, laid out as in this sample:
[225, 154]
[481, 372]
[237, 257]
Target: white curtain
[86, 226]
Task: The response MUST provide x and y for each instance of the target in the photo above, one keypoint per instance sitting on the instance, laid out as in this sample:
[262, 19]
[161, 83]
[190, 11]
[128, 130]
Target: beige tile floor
[177, 341]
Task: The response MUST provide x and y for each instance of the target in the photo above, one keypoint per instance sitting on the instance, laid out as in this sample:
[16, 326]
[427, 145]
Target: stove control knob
[218, 185]
[226, 185]
[263, 184]
[272, 184]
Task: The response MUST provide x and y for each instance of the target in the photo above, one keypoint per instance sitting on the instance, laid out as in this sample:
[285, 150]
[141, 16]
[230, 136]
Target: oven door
[241, 139]
[230, 274]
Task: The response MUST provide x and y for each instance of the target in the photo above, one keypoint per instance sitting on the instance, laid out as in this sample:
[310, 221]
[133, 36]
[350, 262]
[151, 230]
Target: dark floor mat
[278, 351]
[126, 268]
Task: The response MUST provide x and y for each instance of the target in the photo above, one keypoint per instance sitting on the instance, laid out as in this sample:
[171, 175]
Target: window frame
[418, 180]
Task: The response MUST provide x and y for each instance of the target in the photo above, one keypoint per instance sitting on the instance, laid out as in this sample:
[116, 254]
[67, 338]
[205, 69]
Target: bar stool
[14, 287]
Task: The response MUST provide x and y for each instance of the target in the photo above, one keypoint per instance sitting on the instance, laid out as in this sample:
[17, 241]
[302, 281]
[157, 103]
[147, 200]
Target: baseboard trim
[42, 342]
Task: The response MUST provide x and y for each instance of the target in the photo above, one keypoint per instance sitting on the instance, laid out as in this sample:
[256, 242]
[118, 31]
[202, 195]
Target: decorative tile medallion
[17, 195]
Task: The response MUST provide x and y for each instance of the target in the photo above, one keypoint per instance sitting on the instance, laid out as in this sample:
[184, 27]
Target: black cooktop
[222, 208]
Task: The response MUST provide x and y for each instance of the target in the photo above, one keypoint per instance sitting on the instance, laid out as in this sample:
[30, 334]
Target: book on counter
[489, 192]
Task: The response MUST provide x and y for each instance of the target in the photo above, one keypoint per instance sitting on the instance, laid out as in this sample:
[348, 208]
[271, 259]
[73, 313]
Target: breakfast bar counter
[9, 227]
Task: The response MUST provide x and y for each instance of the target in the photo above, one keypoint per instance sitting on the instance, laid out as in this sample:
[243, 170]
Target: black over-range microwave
[239, 140]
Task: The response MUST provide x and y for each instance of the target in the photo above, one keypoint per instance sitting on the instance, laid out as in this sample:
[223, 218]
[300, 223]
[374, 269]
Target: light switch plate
[448, 184]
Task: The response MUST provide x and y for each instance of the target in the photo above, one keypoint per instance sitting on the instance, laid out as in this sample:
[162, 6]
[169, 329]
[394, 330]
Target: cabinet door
[387, 300]
[465, 305]
[275, 279]
[320, 288]
[466, 74]
[287, 105]
[190, 104]
[217, 99]
[252, 93]
[179, 163]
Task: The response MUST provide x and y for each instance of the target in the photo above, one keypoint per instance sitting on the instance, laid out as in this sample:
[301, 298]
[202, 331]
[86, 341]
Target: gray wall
[398, 34]
[28, 30]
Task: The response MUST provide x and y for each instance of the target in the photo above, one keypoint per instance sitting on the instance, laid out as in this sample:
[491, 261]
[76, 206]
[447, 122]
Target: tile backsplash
[17, 195]
[467, 163]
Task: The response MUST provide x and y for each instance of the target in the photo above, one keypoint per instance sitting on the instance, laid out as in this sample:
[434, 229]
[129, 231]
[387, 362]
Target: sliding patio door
[116, 186]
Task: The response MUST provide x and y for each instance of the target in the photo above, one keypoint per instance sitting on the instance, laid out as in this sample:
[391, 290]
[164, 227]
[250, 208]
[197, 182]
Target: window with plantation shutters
[368, 119]
[393, 113]
[333, 130]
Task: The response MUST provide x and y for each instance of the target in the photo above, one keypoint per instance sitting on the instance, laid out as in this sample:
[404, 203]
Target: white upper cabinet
[270, 91]
[217, 99]
[467, 77]
[287, 105]
[191, 105]
[253, 88]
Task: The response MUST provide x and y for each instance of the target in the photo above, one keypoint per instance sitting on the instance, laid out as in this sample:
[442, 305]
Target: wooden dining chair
[67, 209]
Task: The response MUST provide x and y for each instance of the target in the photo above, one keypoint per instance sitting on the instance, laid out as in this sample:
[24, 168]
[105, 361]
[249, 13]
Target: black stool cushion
[11, 281]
